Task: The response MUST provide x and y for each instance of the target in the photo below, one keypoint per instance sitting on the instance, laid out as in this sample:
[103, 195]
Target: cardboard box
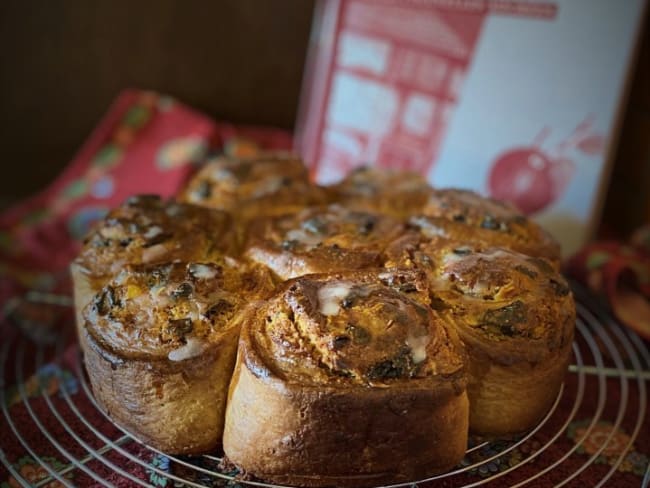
[519, 100]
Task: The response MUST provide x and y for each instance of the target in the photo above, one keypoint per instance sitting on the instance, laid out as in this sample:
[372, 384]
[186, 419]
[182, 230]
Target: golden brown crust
[147, 230]
[177, 408]
[153, 312]
[160, 344]
[395, 193]
[267, 184]
[465, 215]
[516, 316]
[355, 376]
[347, 363]
[321, 239]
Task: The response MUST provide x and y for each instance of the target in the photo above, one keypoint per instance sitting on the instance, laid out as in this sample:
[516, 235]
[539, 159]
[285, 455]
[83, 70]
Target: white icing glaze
[428, 228]
[303, 237]
[191, 349]
[452, 257]
[331, 295]
[154, 252]
[173, 210]
[418, 346]
[271, 185]
[203, 271]
[492, 254]
[112, 232]
[152, 232]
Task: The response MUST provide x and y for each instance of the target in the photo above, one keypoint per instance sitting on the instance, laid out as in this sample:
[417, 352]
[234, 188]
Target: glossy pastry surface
[268, 184]
[465, 215]
[395, 193]
[516, 316]
[347, 379]
[321, 239]
[147, 230]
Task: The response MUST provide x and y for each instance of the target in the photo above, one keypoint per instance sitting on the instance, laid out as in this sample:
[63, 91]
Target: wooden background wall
[63, 61]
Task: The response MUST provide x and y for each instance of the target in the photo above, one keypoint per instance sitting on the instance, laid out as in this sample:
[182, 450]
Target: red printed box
[514, 99]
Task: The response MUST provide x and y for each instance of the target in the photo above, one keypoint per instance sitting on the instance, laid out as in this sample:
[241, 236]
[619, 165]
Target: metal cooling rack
[601, 350]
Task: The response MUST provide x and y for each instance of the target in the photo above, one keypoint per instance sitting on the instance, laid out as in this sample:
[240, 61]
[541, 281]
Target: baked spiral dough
[321, 239]
[160, 347]
[515, 315]
[410, 315]
[146, 230]
[271, 183]
[347, 379]
[465, 215]
[395, 193]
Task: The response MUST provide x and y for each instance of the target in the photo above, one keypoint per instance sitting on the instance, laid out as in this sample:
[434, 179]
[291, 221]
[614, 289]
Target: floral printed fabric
[620, 274]
[146, 143]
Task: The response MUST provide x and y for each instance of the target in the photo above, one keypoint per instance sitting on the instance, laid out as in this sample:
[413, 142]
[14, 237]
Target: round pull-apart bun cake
[347, 379]
[376, 322]
[146, 230]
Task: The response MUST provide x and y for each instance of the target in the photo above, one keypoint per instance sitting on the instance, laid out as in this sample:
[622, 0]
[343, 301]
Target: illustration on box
[478, 94]
[532, 177]
[395, 78]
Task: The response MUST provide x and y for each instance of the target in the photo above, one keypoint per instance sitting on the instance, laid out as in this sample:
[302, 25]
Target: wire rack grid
[602, 352]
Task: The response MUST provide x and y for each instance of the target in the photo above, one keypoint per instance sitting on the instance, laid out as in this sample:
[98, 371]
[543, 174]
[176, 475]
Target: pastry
[321, 239]
[347, 379]
[515, 315]
[267, 184]
[146, 229]
[465, 215]
[395, 193]
[160, 348]
[404, 317]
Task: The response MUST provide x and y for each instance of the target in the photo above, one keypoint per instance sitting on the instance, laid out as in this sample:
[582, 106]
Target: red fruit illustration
[523, 176]
[532, 178]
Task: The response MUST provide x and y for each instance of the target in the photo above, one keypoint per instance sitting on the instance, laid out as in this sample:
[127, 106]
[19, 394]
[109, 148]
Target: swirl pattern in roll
[347, 379]
[395, 193]
[515, 315]
[465, 215]
[146, 229]
[321, 239]
[271, 183]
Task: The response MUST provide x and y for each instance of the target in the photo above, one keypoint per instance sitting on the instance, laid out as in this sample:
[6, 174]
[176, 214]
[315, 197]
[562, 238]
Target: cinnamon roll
[465, 215]
[515, 315]
[321, 239]
[146, 230]
[267, 184]
[347, 379]
[395, 193]
[161, 344]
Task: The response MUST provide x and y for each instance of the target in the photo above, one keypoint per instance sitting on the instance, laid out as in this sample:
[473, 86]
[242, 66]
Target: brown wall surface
[63, 61]
[628, 199]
